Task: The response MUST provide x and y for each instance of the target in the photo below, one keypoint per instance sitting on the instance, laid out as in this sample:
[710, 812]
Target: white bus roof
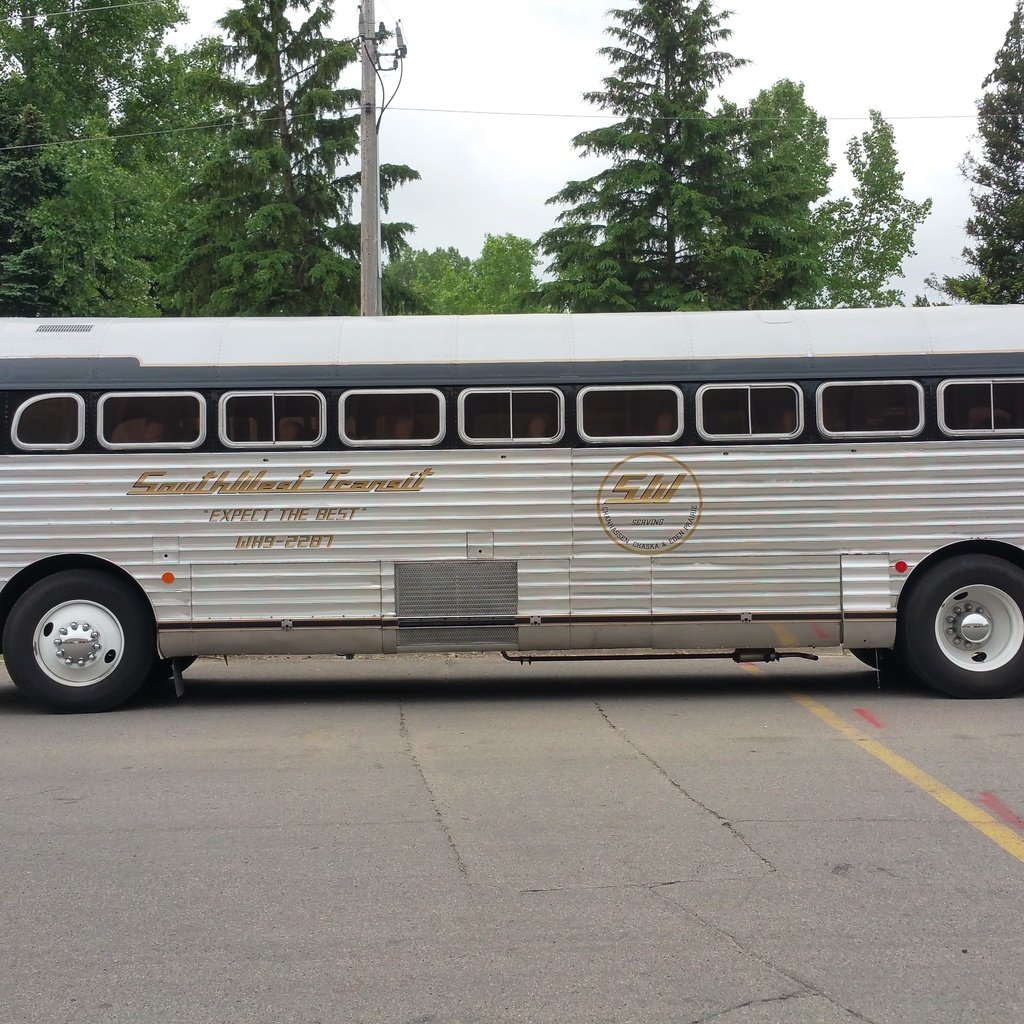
[522, 339]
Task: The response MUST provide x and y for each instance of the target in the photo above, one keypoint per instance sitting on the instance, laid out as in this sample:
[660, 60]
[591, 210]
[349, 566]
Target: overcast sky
[492, 96]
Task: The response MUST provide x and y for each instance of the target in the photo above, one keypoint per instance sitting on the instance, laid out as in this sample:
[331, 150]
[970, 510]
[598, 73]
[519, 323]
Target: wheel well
[32, 574]
[1007, 552]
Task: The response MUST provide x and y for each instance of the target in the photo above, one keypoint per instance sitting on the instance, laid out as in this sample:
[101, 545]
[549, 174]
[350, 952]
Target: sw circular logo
[649, 503]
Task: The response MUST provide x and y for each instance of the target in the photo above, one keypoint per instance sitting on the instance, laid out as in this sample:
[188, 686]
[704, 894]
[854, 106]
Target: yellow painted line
[960, 806]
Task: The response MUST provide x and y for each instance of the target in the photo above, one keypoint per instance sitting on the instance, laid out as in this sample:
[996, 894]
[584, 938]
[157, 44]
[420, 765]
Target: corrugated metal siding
[773, 525]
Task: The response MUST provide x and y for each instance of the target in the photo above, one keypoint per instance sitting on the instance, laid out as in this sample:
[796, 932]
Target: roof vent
[64, 328]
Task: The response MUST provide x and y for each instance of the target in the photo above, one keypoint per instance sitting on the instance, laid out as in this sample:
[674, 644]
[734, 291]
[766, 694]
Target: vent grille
[457, 638]
[456, 589]
[64, 328]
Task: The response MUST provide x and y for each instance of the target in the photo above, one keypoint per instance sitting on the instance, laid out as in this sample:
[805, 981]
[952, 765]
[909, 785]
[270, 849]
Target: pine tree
[634, 236]
[998, 177]
[271, 234]
[27, 177]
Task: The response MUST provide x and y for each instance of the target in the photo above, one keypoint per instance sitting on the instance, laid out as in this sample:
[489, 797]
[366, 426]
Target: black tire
[124, 632]
[888, 662]
[941, 634]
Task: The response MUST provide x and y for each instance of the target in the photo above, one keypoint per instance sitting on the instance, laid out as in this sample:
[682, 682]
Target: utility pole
[369, 178]
[369, 229]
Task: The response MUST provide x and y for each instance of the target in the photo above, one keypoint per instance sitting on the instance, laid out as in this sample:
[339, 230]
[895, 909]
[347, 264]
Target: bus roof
[558, 338]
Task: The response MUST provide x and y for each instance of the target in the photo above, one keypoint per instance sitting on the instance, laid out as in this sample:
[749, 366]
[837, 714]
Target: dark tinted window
[876, 407]
[148, 419]
[511, 415]
[285, 418]
[625, 413]
[378, 416]
[983, 405]
[54, 420]
[747, 410]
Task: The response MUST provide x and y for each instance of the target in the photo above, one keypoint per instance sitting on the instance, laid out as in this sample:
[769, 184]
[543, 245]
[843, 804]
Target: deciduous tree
[869, 234]
[500, 280]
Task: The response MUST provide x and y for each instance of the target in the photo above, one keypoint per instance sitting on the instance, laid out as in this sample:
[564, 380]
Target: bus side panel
[610, 586]
[758, 569]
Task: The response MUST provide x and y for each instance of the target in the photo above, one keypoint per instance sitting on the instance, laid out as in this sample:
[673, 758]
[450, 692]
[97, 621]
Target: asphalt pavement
[453, 840]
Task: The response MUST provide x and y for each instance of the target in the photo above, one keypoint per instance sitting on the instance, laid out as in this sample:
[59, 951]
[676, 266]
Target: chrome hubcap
[78, 643]
[979, 628]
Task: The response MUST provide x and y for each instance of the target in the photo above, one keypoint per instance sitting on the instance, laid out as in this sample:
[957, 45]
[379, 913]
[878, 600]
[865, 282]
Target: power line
[82, 10]
[212, 125]
[694, 117]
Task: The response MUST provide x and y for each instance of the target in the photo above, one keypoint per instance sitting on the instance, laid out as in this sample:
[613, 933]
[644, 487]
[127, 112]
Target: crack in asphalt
[403, 730]
[784, 998]
[806, 987]
[624, 736]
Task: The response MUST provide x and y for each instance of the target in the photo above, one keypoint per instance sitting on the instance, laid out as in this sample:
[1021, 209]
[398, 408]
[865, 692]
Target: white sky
[918, 62]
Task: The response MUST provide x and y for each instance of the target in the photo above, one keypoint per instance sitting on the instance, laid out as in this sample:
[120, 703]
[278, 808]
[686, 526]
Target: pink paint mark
[998, 808]
[819, 632]
[868, 717]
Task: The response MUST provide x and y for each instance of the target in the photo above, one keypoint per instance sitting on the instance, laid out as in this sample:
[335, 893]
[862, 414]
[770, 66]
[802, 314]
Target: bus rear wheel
[79, 640]
[961, 630]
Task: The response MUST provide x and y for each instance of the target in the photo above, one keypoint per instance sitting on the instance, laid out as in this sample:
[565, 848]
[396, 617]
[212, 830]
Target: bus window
[981, 407]
[371, 418]
[152, 419]
[293, 419]
[643, 413]
[49, 422]
[871, 408]
[748, 410]
[522, 416]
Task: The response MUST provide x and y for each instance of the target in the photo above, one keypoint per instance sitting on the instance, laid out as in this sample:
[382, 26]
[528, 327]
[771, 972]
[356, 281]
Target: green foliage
[271, 233]
[769, 251]
[632, 235]
[500, 280]
[871, 233]
[698, 209]
[81, 64]
[104, 77]
[100, 232]
[27, 177]
[998, 198]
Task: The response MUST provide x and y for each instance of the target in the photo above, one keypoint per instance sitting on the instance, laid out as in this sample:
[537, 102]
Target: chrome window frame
[22, 446]
[628, 438]
[395, 442]
[518, 441]
[992, 431]
[868, 433]
[271, 393]
[146, 445]
[750, 435]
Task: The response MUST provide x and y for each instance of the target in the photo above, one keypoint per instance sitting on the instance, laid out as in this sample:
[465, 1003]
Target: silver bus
[736, 484]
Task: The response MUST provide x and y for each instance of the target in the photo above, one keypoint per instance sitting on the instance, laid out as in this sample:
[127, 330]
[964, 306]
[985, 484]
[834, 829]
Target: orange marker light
[168, 577]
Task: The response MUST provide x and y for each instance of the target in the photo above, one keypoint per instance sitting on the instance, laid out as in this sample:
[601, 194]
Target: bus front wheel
[961, 630]
[79, 640]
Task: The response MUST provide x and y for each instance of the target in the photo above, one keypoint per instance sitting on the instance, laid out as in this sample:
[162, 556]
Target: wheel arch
[999, 549]
[25, 578]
